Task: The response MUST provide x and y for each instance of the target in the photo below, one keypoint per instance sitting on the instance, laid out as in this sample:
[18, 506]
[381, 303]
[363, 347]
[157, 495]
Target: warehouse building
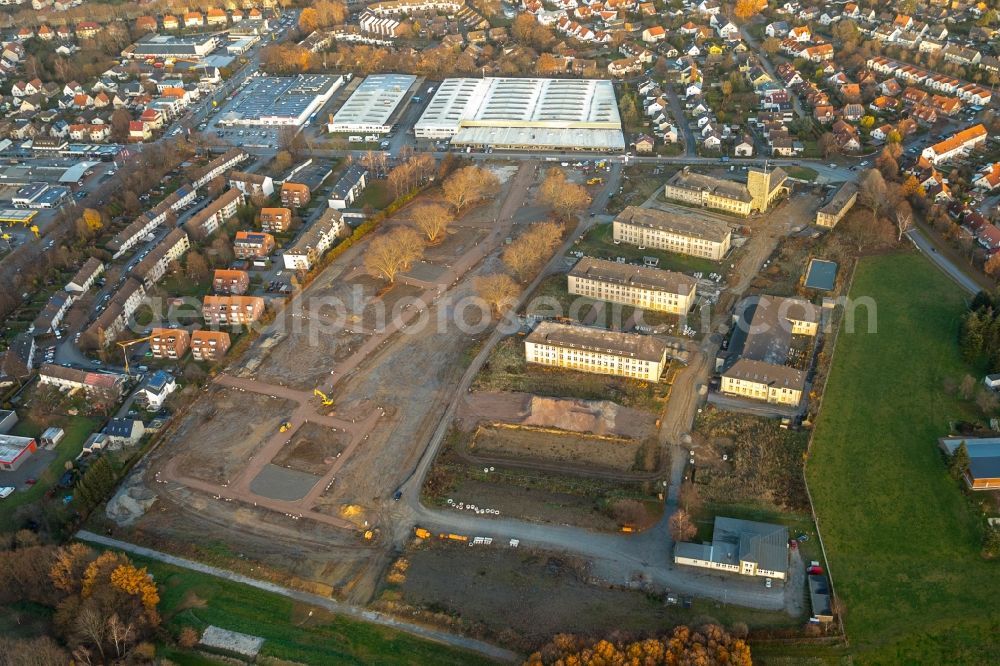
[596, 350]
[648, 288]
[280, 100]
[546, 114]
[372, 106]
[685, 234]
[170, 46]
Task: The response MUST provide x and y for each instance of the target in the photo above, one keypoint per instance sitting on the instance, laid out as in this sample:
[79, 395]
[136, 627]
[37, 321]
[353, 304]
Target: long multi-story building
[957, 144]
[695, 236]
[835, 209]
[647, 288]
[209, 345]
[169, 343]
[597, 351]
[154, 265]
[314, 241]
[208, 220]
[760, 191]
[232, 310]
[758, 380]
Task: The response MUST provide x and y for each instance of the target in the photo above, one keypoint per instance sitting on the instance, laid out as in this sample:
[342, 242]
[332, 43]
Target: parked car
[6, 491]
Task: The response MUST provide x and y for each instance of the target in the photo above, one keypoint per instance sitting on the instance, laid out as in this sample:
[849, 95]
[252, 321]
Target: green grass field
[902, 542]
[598, 242]
[291, 633]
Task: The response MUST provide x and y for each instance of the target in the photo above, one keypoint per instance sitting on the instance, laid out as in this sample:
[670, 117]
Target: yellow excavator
[322, 397]
[285, 425]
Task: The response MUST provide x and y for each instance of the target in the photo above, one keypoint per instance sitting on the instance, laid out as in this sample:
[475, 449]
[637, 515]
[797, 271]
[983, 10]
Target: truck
[422, 533]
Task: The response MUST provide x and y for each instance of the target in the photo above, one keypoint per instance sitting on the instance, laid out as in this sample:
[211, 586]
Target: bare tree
[432, 219]
[469, 185]
[499, 290]
[393, 252]
[873, 192]
[967, 387]
[681, 527]
[904, 217]
[564, 198]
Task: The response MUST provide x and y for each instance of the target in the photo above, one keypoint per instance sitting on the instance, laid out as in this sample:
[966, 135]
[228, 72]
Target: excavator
[322, 397]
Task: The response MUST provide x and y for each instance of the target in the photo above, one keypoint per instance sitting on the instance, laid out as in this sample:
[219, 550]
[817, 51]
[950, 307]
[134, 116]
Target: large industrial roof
[374, 101]
[525, 112]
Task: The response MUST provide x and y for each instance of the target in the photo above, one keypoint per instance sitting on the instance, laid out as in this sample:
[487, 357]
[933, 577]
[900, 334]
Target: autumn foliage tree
[469, 185]
[499, 290]
[709, 645]
[527, 253]
[433, 220]
[747, 9]
[566, 199]
[393, 252]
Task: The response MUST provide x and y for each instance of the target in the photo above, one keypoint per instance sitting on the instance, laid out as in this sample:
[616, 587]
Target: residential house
[232, 310]
[230, 281]
[169, 343]
[209, 345]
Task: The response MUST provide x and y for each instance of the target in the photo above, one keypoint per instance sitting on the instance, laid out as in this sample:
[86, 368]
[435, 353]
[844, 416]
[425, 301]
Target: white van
[356, 139]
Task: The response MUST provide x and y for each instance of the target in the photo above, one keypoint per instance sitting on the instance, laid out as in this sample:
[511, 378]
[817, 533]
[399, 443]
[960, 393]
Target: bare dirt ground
[600, 417]
[216, 439]
[540, 444]
[523, 597]
[312, 450]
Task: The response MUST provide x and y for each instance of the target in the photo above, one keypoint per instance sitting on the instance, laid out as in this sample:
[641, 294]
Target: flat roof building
[280, 100]
[648, 288]
[15, 450]
[694, 235]
[541, 114]
[171, 46]
[596, 350]
[371, 106]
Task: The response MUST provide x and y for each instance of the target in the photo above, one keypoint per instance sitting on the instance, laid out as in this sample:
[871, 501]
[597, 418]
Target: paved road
[765, 61]
[682, 122]
[349, 610]
[944, 263]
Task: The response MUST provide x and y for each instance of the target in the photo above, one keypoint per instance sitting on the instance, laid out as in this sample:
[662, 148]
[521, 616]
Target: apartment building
[116, 316]
[834, 210]
[151, 269]
[209, 345]
[207, 221]
[596, 351]
[760, 191]
[251, 244]
[647, 288]
[169, 343]
[314, 241]
[86, 276]
[226, 281]
[101, 386]
[294, 195]
[218, 166]
[251, 183]
[698, 237]
[275, 220]
[758, 380]
[232, 310]
[959, 143]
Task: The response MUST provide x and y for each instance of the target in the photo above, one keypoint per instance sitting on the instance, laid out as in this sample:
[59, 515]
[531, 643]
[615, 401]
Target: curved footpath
[349, 610]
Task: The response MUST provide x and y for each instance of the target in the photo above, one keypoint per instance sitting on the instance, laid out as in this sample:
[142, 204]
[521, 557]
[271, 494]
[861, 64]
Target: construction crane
[128, 343]
[322, 396]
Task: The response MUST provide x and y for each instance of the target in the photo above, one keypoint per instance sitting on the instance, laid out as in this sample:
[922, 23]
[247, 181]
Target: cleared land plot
[216, 438]
[541, 495]
[292, 631]
[312, 450]
[598, 242]
[902, 540]
[547, 445]
[282, 484]
[488, 587]
[506, 370]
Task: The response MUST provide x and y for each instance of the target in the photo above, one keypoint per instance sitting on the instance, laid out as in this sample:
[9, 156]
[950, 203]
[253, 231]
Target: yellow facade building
[647, 288]
[758, 194]
[698, 237]
[596, 351]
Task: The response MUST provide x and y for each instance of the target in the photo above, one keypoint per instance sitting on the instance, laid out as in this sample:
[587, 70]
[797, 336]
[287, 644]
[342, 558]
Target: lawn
[375, 195]
[902, 542]
[801, 172]
[192, 599]
[77, 429]
[598, 243]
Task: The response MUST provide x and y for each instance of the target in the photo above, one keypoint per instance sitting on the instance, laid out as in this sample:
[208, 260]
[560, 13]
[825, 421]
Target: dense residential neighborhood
[324, 315]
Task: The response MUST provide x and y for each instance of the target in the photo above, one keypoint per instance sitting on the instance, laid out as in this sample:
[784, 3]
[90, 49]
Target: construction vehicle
[369, 535]
[128, 343]
[322, 396]
[285, 426]
[454, 537]
[422, 533]
[595, 181]
[34, 230]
